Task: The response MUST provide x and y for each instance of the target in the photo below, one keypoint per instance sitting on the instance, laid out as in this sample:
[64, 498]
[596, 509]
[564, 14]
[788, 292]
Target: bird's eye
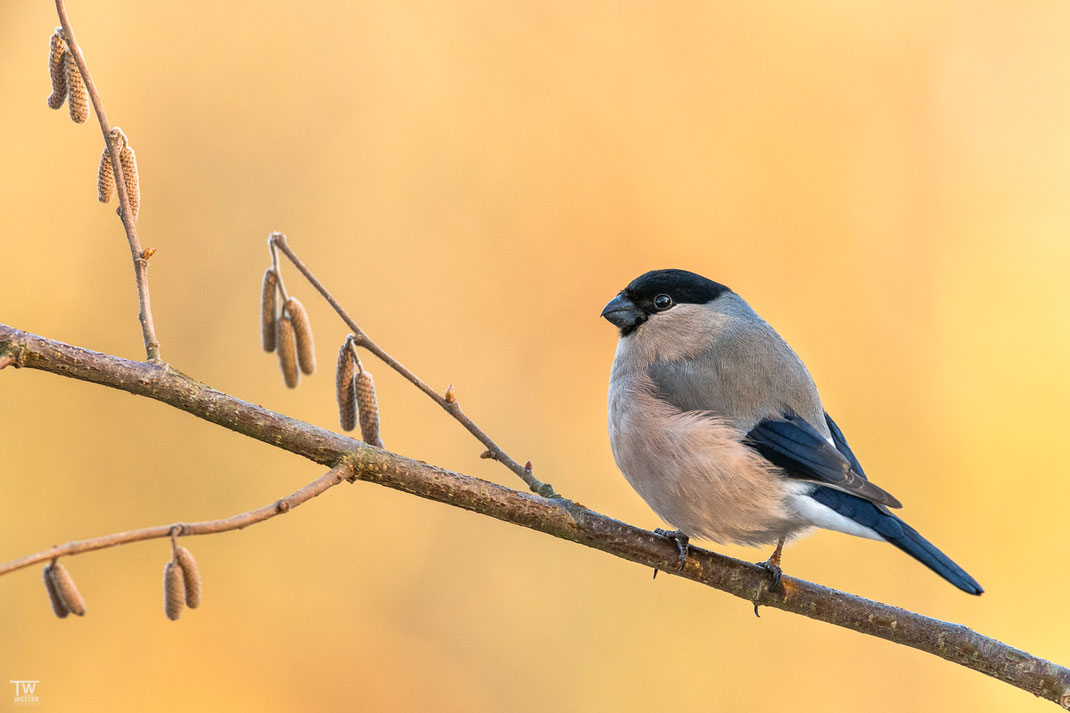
[663, 302]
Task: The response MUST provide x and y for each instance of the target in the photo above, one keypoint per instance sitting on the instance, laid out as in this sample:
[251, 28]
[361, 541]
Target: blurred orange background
[886, 183]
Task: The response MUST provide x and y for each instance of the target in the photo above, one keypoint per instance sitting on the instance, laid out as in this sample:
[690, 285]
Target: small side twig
[141, 264]
[333, 477]
[451, 406]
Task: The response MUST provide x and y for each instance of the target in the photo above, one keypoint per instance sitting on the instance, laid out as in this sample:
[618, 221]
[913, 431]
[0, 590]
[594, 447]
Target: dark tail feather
[925, 552]
[897, 532]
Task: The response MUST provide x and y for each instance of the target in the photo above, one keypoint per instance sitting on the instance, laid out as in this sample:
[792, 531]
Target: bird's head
[658, 292]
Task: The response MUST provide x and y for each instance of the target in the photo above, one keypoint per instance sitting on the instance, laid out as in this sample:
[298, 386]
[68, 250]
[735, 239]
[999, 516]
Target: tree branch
[558, 517]
[448, 402]
[207, 527]
[140, 257]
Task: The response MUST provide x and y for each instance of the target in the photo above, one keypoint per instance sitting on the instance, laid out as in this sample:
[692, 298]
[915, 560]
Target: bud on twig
[451, 395]
[287, 347]
[306, 349]
[346, 388]
[174, 590]
[191, 576]
[66, 590]
[78, 97]
[368, 406]
[105, 177]
[268, 295]
[57, 69]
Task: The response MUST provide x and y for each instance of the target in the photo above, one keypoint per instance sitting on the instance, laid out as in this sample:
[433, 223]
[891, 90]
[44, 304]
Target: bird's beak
[622, 312]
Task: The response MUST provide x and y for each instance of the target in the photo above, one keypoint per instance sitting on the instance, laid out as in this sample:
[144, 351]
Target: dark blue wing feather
[797, 447]
[841, 445]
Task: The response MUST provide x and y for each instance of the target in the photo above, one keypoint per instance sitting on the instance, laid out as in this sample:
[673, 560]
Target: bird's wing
[841, 445]
[796, 446]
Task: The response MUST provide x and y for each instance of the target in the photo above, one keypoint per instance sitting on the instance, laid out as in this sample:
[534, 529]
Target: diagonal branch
[558, 517]
[206, 527]
[140, 257]
[447, 402]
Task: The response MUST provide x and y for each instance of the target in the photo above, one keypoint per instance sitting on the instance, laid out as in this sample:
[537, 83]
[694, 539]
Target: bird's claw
[681, 541]
[774, 571]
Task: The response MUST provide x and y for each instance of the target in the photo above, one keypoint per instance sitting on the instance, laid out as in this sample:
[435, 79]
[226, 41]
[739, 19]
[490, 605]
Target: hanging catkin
[133, 183]
[268, 296]
[287, 348]
[105, 177]
[53, 594]
[346, 388]
[191, 576]
[66, 589]
[174, 590]
[306, 348]
[78, 97]
[57, 69]
[368, 405]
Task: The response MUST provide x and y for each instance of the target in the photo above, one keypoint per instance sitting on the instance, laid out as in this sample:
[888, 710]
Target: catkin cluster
[62, 592]
[287, 331]
[181, 583]
[106, 174]
[67, 82]
[355, 392]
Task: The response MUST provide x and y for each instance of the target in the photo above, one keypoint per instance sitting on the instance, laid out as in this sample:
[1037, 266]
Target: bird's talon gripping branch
[681, 541]
[775, 573]
[772, 566]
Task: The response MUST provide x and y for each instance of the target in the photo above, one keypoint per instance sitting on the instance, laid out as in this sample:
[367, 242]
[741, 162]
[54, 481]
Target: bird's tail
[925, 552]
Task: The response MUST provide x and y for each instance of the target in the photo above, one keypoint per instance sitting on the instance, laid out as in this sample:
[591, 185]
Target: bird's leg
[772, 565]
[681, 544]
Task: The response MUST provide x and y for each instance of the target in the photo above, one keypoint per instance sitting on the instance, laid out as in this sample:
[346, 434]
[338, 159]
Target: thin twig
[236, 522]
[141, 264]
[361, 338]
[558, 517]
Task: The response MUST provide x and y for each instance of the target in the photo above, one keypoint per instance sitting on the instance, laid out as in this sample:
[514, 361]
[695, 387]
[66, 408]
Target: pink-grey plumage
[717, 424]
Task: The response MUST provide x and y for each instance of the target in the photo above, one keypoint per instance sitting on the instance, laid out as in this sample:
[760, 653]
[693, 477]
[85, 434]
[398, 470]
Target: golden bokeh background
[886, 183]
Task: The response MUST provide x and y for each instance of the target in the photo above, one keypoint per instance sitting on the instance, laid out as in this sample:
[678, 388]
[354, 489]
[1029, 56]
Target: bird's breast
[693, 470]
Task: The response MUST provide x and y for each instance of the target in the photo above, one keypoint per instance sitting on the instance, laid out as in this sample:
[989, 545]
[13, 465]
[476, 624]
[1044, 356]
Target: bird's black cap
[656, 291]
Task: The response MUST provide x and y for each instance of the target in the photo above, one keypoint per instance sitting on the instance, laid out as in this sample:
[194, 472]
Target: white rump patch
[820, 515]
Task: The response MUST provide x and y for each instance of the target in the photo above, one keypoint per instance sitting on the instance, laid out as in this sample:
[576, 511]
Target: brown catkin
[57, 70]
[67, 590]
[53, 594]
[133, 185]
[306, 348]
[284, 332]
[174, 590]
[346, 388]
[368, 406]
[105, 177]
[191, 576]
[268, 294]
[78, 97]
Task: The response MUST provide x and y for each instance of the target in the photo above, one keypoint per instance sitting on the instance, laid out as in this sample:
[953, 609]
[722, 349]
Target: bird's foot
[775, 573]
[681, 541]
[772, 566]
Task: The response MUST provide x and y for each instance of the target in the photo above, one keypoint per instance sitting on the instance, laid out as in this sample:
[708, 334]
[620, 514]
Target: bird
[717, 424]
